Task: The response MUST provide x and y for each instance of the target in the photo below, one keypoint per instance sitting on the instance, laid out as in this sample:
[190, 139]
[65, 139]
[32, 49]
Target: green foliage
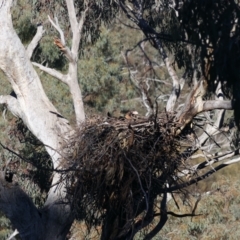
[31, 171]
[23, 21]
[29, 161]
[58, 93]
[101, 76]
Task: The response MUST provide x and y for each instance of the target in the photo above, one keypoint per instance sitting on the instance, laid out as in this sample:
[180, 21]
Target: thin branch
[61, 43]
[140, 183]
[52, 72]
[70, 169]
[150, 32]
[33, 44]
[141, 86]
[179, 215]
[58, 28]
[127, 13]
[203, 176]
[15, 233]
[82, 20]
[217, 159]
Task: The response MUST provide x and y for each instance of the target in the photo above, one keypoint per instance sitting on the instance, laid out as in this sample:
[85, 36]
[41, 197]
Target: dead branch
[33, 44]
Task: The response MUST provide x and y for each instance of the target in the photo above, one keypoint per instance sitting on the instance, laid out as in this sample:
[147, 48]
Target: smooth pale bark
[71, 78]
[41, 117]
[33, 44]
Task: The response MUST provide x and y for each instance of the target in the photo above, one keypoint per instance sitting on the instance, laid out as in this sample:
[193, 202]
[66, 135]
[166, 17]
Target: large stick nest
[122, 164]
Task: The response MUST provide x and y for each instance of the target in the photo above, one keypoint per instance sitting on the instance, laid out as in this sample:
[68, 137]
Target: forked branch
[61, 43]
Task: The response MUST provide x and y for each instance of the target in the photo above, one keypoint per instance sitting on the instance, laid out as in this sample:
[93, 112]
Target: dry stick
[212, 160]
[186, 214]
[208, 134]
[140, 183]
[26, 160]
[207, 174]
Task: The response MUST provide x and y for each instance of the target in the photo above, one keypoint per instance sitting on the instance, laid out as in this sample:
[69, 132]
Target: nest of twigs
[123, 165]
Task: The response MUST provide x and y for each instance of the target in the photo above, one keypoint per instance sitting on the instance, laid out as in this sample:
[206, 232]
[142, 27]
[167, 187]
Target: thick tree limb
[15, 233]
[50, 129]
[194, 104]
[214, 129]
[217, 104]
[33, 44]
[178, 85]
[162, 221]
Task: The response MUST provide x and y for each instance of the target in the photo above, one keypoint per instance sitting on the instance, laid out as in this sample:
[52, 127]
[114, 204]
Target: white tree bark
[41, 117]
[71, 78]
[33, 44]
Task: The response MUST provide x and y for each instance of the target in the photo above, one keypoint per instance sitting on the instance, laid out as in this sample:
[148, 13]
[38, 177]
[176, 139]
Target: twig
[140, 183]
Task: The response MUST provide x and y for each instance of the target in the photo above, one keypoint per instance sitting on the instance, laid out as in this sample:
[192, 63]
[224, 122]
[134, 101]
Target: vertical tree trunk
[42, 119]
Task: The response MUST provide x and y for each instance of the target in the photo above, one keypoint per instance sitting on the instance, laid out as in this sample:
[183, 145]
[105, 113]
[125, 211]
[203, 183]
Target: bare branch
[151, 33]
[178, 85]
[52, 72]
[15, 233]
[217, 104]
[127, 12]
[194, 104]
[213, 129]
[33, 44]
[58, 28]
[142, 86]
[61, 43]
[76, 27]
[209, 162]
[203, 176]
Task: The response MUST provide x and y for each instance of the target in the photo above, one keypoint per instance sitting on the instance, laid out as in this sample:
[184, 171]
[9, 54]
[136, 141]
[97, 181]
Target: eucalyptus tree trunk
[43, 120]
